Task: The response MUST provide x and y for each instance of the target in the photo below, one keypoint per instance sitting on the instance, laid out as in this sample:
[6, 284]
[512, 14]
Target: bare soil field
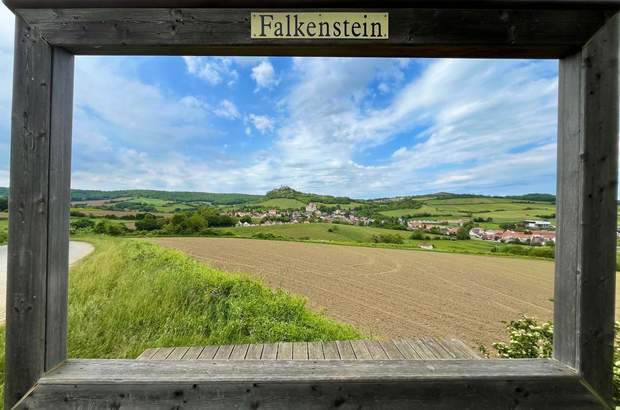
[391, 293]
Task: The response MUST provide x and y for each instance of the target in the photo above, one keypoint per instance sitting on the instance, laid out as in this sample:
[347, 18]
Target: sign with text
[332, 25]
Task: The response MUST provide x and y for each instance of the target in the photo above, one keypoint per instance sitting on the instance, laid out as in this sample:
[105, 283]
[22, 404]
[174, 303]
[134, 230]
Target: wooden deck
[425, 348]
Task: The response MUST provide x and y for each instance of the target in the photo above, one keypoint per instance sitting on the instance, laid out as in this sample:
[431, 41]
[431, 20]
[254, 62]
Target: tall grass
[131, 295]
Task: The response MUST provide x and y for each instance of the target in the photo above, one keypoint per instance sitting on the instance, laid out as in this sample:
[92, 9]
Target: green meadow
[130, 295]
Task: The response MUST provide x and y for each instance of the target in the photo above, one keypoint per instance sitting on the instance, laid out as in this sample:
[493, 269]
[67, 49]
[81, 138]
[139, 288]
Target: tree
[4, 204]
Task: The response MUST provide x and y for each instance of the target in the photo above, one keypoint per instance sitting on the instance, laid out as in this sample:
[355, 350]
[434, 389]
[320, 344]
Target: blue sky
[357, 127]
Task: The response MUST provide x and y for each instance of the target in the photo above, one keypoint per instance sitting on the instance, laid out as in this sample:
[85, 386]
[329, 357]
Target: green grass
[501, 210]
[4, 231]
[132, 295]
[318, 232]
[283, 203]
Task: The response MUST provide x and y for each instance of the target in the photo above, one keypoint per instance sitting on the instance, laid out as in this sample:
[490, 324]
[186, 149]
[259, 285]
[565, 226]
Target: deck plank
[239, 352]
[315, 351]
[360, 350]
[208, 353]
[345, 350]
[285, 351]
[223, 353]
[330, 350]
[406, 350]
[255, 352]
[391, 350]
[162, 353]
[376, 351]
[193, 353]
[300, 351]
[420, 348]
[270, 351]
[147, 354]
[177, 353]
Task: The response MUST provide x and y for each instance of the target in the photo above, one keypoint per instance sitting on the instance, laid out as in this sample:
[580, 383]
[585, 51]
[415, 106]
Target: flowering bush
[529, 339]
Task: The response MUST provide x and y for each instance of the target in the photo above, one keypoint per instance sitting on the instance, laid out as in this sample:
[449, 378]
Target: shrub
[530, 339]
[387, 238]
[417, 235]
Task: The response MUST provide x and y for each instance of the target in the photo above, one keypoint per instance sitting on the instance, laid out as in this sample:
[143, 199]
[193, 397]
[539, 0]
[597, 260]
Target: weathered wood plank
[29, 213]
[61, 121]
[569, 202]
[147, 354]
[285, 351]
[444, 384]
[421, 32]
[376, 351]
[177, 353]
[162, 353]
[421, 349]
[255, 351]
[406, 350]
[193, 353]
[208, 353]
[300, 351]
[127, 371]
[305, 4]
[239, 352]
[391, 350]
[223, 352]
[315, 351]
[454, 351]
[461, 346]
[270, 351]
[437, 348]
[597, 279]
[360, 350]
[330, 350]
[345, 350]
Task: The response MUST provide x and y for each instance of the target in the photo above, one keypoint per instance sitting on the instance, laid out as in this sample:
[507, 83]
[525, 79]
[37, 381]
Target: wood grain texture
[447, 384]
[597, 280]
[569, 209]
[354, 4]
[29, 213]
[61, 123]
[423, 32]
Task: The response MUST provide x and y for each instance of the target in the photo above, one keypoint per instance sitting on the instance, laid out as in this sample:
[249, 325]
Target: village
[529, 232]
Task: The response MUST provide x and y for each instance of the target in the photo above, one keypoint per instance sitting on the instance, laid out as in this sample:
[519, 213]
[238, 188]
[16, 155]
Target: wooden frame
[582, 34]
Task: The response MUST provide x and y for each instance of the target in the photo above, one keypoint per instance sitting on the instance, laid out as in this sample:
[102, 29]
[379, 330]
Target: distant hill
[283, 192]
[78, 195]
[290, 193]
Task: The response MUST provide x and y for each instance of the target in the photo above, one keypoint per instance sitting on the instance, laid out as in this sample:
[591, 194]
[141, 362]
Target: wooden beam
[59, 204]
[39, 211]
[587, 212]
[445, 384]
[413, 33]
[531, 4]
[29, 213]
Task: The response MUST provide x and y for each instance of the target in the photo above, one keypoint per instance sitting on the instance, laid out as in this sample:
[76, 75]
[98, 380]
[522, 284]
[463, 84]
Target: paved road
[77, 251]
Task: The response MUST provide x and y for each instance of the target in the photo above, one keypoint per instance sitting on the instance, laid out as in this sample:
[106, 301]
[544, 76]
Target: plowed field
[391, 293]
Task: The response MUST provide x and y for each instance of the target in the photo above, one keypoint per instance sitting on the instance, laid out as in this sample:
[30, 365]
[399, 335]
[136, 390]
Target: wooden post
[587, 209]
[38, 248]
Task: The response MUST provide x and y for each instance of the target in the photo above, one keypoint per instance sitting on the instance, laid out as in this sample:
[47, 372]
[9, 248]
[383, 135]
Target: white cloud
[213, 70]
[264, 75]
[227, 109]
[261, 122]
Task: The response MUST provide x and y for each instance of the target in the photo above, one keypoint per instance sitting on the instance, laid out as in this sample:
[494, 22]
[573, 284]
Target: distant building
[312, 207]
[427, 246]
[534, 224]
